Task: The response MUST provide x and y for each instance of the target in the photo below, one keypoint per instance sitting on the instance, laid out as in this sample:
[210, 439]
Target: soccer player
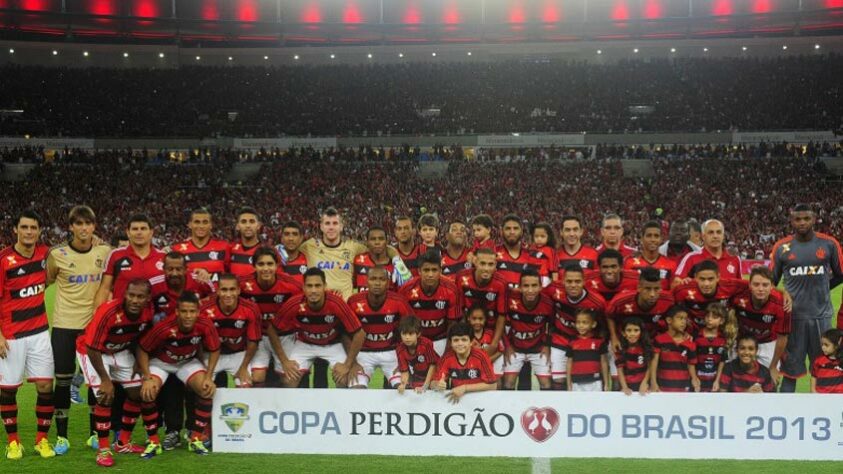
[745, 374]
[705, 288]
[760, 313]
[293, 262]
[649, 256]
[137, 260]
[376, 256]
[321, 318]
[173, 347]
[270, 289]
[648, 302]
[24, 341]
[76, 269]
[611, 279]
[455, 253]
[105, 355]
[408, 249]
[569, 297]
[206, 256]
[572, 249]
[673, 368]
[434, 299]
[248, 228]
[805, 259]
[416, 357]
[464, 368]
[429, 231]
[380, 311]
[611, 233]
[482, 286]
[513, 258]
[713, 249]
[528, 313]
[678, 242]
[238, 324]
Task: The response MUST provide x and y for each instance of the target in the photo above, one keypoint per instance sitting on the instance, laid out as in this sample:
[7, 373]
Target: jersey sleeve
[487, 373]
[151, 340]
[210, 337]
[97, 338]
[455, 311]
[431, 355]
[108, 269]
[604, 347]
[684, 266]
[836, 257]
[442, 368]
[403, 366]
[815, 367]
[349, 321]
[286, 312]
[254, 332]
[726, 377]
[784, 319]
[358, 248]
[767, 385]
[52, 268]
[775, 264]
[692, 353]
[657, 345]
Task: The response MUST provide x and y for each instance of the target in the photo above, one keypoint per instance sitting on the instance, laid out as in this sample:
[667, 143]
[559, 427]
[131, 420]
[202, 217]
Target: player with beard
[513, 258]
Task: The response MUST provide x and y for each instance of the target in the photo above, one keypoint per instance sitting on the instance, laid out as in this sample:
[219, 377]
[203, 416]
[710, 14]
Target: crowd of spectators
[750, 194]
[681, 94]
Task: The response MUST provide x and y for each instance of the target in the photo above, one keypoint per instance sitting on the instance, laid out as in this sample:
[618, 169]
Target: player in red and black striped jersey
[649, 256]
[712, 346]
[241, 252]
[648, 302]
[173, 347]
[569, 296]
[270, 289]
[238, 323]
[633, 360]
[745, 374]
[673, 368]
[434, 299]
[25, 348]
[293, 262]
[704, 289]
[463, 368]
[827, 369]
[610, 279]
[513, 258]
[206, 256]
[482, 286]
[376, 256]
[455, 253]
[321, 320]
[416, 356]
[167, 288]
[528, 313]
[105, 352]
[138, 260]
[380, 312]
[408, 250]
[572, 250]
[587, 360]
[611, 232]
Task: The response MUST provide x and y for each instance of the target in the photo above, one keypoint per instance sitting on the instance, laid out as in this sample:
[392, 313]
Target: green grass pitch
[81, 458]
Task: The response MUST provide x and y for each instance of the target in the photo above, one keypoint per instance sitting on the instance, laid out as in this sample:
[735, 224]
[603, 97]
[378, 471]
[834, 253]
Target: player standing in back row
[806, 260]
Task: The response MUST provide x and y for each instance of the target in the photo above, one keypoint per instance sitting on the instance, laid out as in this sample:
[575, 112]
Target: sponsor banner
[285, 143]
[47, 143]
[776, 137]
[747, 265]
[529, 424]
[506, 141]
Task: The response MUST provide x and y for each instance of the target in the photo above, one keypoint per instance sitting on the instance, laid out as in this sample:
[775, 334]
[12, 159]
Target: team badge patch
[234, 415]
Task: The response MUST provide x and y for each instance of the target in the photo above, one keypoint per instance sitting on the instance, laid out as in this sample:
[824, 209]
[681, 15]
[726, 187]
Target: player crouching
[172, 347]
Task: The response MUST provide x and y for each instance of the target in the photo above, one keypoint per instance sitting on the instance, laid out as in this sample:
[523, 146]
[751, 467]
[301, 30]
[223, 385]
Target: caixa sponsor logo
[411, 424]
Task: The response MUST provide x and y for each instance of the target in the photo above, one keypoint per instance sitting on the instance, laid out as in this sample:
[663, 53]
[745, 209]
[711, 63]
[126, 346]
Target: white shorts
[261, 359]
[369, 361]
[596, 386]
[184, 370]
[305, 354]
[497, 366]
[766, 351]
[558, 364]
[440, 346]
[120, 367]
[230, 364]
[31, 356]
[538, 363]
[613, 368]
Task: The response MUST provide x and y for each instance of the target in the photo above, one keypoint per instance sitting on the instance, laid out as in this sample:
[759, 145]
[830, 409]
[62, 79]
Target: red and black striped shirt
[381, 323]
[585, 257]
[492, 295]
[511, 267]
[476, 369]
[735, 379]
[411, 260]
[829, 374]
[295, 268]
[634, 363]
[237, 328]
[764, 324]
[528, 326]
[363, 264]
[711, 351]
[566, 310]
[418, 362]
[124, 265]
[23, 281]
[166, 342]
[212, 257]
[451, 266]
[323, 326]
[628, 282]
[625, 306]
[691, 297]
[672, 372]
[585, 353]
[111, 330]
[435, 309]
[240, 259]
[271, 299]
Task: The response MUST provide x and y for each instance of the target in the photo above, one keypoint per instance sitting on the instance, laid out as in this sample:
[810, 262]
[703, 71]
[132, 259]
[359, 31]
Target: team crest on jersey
[767, 318]
[820, 253]
[421, 359]
[491, 296]
[730, 268]
[389, 318]
[159, 265]
[473, 373]
[195, 340]
[213, 255]
[440, 305]
[234, 415]
[346, 255]
[239, 324]
[584, 263]
[98, 263]
[329, 319]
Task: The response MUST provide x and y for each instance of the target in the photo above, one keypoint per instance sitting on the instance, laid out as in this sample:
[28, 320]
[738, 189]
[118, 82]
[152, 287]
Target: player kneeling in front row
[464, 368]
[321, 320]
[172, 347]
[105, 355]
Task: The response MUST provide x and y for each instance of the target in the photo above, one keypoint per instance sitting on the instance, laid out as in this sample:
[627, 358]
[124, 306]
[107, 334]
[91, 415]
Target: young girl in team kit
[745, 373]
[713, 345]
[633, 361]
[827, 369]
[674, 364]
[482, 337]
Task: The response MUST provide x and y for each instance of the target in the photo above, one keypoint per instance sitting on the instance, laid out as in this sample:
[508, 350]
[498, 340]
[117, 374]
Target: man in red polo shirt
[713, 249]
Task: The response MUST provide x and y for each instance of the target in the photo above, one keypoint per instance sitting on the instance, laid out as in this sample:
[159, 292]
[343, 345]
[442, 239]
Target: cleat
[105, 458]
[62, 446]
[75, 397]
[128, 448]
[171, 441]
[93, 442]
[14, 451]
[198, 447]
[152, 450]
[44, 449]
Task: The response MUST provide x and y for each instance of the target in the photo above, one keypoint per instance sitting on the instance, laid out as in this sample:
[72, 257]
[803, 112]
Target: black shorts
[64, 349]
